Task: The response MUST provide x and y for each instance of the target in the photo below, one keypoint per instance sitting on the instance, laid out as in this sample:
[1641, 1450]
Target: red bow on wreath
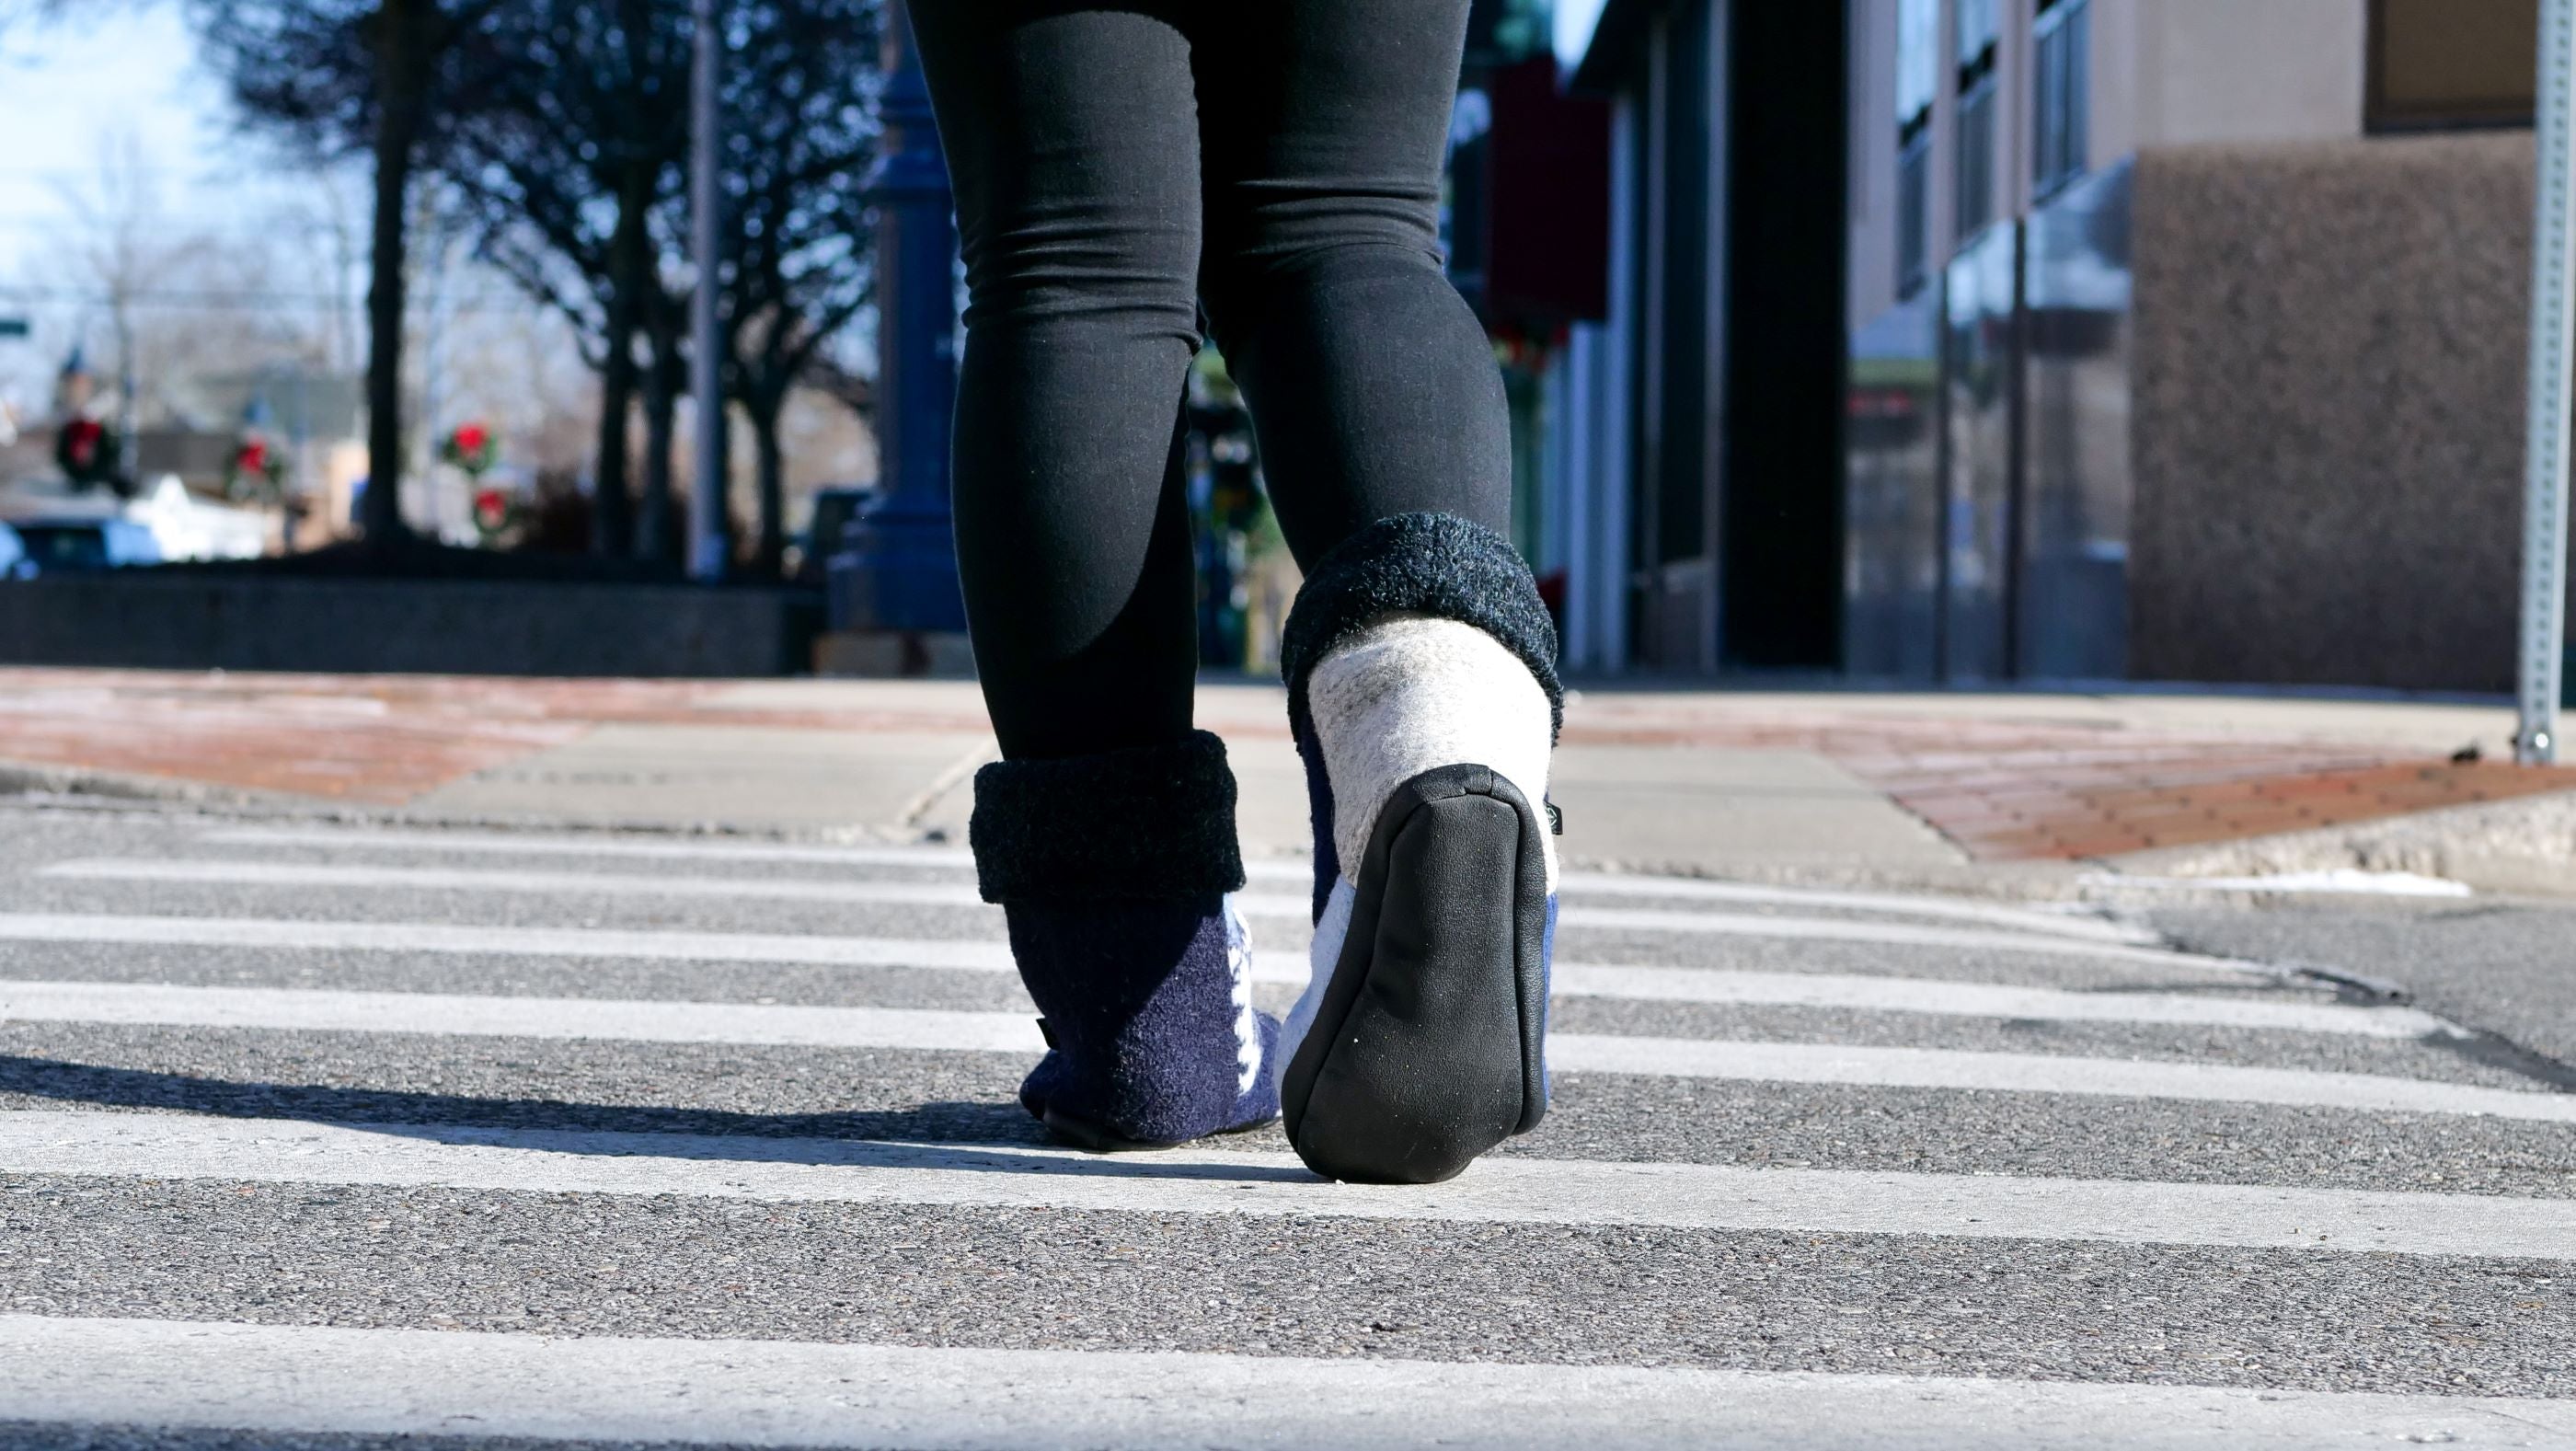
[470, 447]
[81, 438]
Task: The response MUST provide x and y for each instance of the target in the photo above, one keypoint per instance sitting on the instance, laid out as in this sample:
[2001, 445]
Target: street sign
[15, 327]
[2553, 358]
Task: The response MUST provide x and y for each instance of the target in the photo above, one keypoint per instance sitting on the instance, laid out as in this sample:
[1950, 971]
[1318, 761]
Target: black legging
[1115, 164]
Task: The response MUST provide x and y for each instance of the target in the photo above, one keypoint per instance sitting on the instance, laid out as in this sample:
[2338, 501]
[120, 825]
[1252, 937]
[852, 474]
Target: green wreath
[256, 471]
[87, 451]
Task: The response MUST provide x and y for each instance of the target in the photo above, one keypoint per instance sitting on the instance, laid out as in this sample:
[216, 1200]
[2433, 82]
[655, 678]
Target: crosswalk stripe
[1947, 998]
[941, 894]
[2069, 924]
[1946, 1068]
[1937, 996]
[650, 945]
[358, 1381]
[1200, 1181]
[488, 1016]
[303, 1009]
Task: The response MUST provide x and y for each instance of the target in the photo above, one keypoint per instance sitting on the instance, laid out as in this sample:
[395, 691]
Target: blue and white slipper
[1113, 871]
[1424, 700]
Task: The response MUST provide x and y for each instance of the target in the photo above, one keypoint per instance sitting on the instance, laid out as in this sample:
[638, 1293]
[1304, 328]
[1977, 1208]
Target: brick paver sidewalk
[2021, 786]
[2006, 781]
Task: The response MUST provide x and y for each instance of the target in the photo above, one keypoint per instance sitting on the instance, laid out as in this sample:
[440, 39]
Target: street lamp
[900, 573]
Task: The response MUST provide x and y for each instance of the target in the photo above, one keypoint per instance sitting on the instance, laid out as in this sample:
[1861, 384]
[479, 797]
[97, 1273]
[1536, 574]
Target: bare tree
[122, 250]
[802, 129]
[380, 78]
[565, 170]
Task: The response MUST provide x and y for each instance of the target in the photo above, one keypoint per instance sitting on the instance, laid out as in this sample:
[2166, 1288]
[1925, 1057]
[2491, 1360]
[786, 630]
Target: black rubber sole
[1427, 1049]
[1086, 1135]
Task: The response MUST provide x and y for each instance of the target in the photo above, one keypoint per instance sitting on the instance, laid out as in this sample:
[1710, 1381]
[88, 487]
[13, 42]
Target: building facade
[1690, 542]
[2168, 340]
[2186, 339]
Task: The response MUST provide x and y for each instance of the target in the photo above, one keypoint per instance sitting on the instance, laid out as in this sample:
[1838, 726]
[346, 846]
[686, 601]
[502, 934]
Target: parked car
[834, 508]
[83, 546]
[13, 554]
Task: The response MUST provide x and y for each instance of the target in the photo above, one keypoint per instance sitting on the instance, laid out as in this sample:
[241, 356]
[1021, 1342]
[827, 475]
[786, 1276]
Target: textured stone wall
[2329, 411]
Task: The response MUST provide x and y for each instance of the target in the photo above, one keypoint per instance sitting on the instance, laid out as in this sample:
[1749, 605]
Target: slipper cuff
[1153, 823]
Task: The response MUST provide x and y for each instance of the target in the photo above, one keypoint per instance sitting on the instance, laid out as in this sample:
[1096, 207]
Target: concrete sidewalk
[1945, 789]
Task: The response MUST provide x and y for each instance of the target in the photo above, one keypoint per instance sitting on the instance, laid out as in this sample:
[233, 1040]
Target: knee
[1071, 266]
[1395, 283]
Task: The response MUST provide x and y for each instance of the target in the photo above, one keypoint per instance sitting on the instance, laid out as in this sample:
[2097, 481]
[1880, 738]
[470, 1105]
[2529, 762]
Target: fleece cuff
[1155, 823]
[1435, 565]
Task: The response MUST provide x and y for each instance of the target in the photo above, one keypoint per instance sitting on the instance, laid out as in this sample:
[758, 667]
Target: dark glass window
[2437, 63]
[1978, 34]
[2062, 93]
[1918, 72]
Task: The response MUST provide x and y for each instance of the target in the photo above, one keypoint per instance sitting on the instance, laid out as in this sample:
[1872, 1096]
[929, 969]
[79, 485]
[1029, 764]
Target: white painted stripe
[2073, 922]
[940, 894]
[587, 942]
[1751, 1062]
[482, 1016]
[1650, 984]
[1946, 998]
[1198, 1180]
[605, 845]
[518, 881]
[1891, 934]
[2335, 881]
[305, 1009]
[378, 1382]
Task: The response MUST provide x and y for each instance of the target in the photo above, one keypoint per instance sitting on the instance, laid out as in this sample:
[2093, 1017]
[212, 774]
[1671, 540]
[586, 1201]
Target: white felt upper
[1412, 694]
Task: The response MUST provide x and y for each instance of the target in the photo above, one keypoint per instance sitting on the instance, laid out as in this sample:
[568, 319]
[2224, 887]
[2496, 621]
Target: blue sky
[65, 88]
[121, 78]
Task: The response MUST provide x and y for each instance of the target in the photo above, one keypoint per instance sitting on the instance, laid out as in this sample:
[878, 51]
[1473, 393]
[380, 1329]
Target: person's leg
[1107, 831]
[1072, 139]
[1420, 662]
[1373, 388]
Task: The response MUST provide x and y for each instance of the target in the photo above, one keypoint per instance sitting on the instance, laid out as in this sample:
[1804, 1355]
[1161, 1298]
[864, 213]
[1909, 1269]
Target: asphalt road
[324, 1136]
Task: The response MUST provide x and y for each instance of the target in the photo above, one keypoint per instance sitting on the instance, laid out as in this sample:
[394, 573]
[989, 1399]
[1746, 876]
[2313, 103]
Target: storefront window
[2442, 63]
[1918, 78]
[2061, 88]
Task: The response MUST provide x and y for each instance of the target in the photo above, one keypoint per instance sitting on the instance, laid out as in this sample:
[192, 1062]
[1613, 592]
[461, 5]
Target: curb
[2523, 846]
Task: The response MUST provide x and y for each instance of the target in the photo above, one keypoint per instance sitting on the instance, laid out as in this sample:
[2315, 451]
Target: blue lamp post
[900, 571]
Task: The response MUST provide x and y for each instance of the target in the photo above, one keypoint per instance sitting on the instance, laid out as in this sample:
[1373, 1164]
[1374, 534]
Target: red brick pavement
[374, 739]
[2004, 786]
[2034, 788]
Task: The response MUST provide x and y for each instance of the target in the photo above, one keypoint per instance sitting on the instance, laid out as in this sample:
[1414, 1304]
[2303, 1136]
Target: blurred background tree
[386, 79]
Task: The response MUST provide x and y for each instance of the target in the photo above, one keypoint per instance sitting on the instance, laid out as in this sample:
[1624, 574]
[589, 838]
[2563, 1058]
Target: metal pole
[708, 547]
[2553, 360]
[900, 571]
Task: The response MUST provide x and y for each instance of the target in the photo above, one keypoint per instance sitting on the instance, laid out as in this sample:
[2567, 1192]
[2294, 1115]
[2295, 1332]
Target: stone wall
[197, 623]
[2329, 361]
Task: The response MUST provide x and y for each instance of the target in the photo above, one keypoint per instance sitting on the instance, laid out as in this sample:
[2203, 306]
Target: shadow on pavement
[948, 1135]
